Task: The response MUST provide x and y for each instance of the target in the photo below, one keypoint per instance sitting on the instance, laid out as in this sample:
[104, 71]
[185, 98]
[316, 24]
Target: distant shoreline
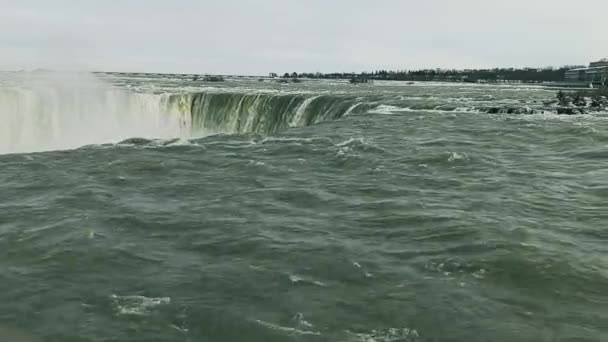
[496, 75]
[550, 77]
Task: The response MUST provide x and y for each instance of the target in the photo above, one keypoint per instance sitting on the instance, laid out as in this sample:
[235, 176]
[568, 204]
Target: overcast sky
[260, 36]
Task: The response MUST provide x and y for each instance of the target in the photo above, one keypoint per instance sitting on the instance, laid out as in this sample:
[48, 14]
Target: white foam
[345, 147]
[294, 278]
[288, 330]
[388, 335]
[256, 163]
[180, 329]
[551, 116]
[286, 139]
[319, 283]
[454, 156]
[299, 320]
[351, 141]
[479, 274]
[384, 109]
[388, 109]
[137, 305]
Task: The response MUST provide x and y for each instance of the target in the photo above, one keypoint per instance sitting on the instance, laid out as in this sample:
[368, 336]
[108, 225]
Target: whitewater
[51, 111]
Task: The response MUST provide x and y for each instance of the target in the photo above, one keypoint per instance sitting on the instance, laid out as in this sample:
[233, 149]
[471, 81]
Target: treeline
[528, 75]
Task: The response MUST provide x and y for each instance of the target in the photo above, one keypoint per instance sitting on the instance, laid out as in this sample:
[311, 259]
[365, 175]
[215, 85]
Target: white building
[596, 73]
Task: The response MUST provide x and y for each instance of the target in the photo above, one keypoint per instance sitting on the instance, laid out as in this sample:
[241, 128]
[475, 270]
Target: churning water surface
[138, 208]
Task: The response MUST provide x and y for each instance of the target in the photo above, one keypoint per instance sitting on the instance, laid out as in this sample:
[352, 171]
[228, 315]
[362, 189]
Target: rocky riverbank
[582, 101]
[566, 102]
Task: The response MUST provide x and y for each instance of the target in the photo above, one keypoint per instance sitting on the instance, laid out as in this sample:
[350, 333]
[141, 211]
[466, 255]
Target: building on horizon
[601, 63]
[596, 73]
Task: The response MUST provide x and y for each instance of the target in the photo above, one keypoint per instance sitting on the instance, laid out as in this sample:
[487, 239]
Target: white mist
[49, 111]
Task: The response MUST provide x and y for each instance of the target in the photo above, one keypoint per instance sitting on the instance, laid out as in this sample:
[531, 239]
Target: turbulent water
[155, 208]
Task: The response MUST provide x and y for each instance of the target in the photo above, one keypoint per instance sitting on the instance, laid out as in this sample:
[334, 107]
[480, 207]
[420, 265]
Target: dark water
[388, 224]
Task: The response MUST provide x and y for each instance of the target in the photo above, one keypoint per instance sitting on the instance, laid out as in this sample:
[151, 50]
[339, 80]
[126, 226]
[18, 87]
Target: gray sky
[256, 37]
